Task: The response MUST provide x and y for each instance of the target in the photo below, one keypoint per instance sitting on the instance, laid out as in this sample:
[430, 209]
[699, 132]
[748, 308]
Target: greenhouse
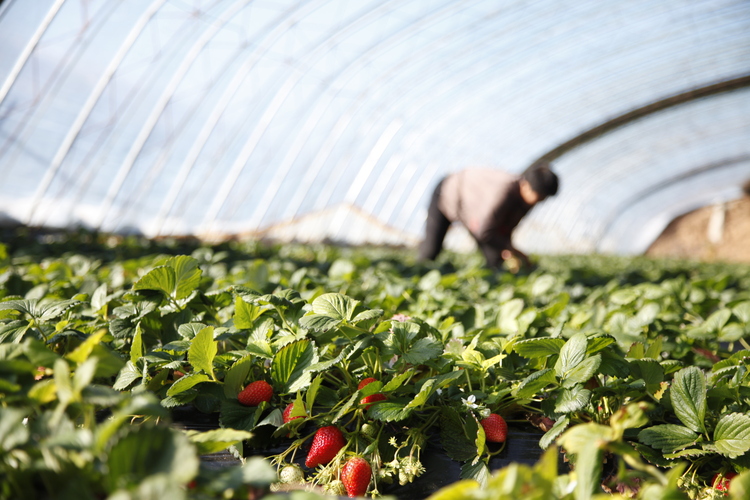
[222, 271]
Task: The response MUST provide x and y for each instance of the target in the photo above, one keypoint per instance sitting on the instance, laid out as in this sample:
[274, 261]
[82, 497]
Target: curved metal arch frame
[694, 94]
[161, 104]
[313, 118]
[341, 126]
[304, 183]
[697, 95]
[618, 211]
[416, 104]
[29, 49]
[254, 138]
[405, 131]
[476, 93]
[574, 207]
[4, 7]
[337, 132]
[104, 137]
[88, 106]
[282, 27]
[62, 71]
[168, 147]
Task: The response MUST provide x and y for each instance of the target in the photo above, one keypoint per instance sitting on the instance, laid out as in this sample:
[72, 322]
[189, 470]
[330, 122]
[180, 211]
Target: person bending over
[489, 203]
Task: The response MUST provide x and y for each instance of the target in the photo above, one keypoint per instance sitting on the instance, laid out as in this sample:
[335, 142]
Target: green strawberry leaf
[235, 416]
[202, 351]
[732, 435]
[508, 316]
[136, 348]
[235, 378]
[14, 331]
[423, 350]
[216, 440]
[187, 382]
[13, 431]
[84, 350]
[583, 371]
[534, 383]
[398, 381]
[322, 366]
[623, 296]
[318, 322]
[596, 344]
[573, 399]
[424, 393]
[543, 284]
[688, 397]
[647, 369]
[588, 471]
[476, 470]
[367, 315]
[178, 278]
[388, 411]
[275, 419]
[312, 391]
[353, 399]
[690, 452]
[538, 347]
[742, 311]
[579, 437]
[549, 437]
[586, 442]
[187, 275]
[290, 366]
[668, 437]
[189, 330]
[160, 278]
[128, 374]
[335, 305]
[453, 438]
[717, 320]
[147, 451]
[245, 314]
[571, 354]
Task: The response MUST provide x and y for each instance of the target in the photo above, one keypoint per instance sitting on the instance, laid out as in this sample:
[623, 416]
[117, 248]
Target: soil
[687, 236]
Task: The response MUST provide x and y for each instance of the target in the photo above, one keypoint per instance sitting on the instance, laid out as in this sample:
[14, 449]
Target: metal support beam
[29, 49]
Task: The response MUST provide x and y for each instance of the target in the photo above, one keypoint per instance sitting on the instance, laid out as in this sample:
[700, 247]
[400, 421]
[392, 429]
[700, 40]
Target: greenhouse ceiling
[336, 118]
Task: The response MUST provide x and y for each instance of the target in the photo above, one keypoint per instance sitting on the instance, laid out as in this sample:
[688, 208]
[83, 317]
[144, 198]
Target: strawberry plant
[634, 371]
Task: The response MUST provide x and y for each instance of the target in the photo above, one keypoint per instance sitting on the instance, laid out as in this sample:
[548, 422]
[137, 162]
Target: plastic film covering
[332, 119]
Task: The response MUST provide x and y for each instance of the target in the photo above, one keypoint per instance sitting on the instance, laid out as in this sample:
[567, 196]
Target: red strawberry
[287, 414]
[366, 381]
[355, 474]
[372, 398]
[326, 443]
[495, 428]
[721, 482]
[255, 393]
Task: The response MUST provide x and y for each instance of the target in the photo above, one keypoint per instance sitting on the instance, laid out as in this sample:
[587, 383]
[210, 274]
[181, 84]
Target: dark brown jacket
[487, 201]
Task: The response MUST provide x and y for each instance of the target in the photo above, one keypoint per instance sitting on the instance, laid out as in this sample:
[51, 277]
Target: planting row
[347, 368]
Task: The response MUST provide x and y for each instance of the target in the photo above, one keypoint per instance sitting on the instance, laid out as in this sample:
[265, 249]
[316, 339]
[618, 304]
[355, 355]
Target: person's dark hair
[542, 180]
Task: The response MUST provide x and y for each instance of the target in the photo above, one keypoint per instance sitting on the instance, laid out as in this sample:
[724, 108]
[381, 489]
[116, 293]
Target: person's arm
[495, 240]
[511, 252]
[495, 244]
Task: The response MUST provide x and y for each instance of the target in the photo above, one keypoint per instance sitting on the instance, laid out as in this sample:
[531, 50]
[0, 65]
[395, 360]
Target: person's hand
[508, 254]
